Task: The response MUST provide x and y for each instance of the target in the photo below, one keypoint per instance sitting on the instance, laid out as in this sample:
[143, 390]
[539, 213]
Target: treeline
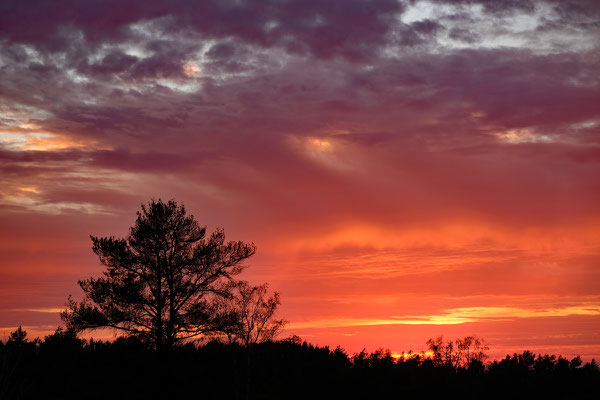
[62, 366]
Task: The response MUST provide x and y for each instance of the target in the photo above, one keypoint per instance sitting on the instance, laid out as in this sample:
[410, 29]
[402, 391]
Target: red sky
[407, 169]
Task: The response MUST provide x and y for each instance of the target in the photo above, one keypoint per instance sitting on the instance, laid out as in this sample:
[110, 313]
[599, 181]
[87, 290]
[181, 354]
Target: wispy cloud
[38, 310]
[455, 316]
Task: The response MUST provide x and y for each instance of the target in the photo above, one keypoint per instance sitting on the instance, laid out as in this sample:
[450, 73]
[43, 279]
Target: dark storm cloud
[371, 86]
[581, 15]
[114, 62]
[463, 35]
[316, 27]
[118, 159]
[496, 6]
[353, 29]
[133, 119]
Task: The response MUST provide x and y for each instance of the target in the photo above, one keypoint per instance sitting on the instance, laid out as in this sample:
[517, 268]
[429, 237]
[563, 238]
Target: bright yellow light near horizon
[408, 356]
[455, 316]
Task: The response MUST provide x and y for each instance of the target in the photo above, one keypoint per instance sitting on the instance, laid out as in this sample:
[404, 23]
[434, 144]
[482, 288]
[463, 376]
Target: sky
[406, 169]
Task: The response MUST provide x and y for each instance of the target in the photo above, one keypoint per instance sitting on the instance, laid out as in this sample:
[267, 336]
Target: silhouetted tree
[246, 317]
[18, 337]
[13, 355]
[160, 282]
[247, 314]
[442, 352]
[460, 353]
[471, 349]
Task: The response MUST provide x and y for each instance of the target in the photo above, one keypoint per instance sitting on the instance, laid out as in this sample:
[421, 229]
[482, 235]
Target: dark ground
[64, 367]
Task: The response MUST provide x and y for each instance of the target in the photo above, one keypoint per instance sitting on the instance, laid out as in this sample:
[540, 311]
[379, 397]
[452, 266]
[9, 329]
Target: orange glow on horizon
[455, 316]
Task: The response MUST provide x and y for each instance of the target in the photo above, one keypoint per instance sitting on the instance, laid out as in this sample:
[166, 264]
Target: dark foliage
[65, 367]
[162, 283]
[246, 314]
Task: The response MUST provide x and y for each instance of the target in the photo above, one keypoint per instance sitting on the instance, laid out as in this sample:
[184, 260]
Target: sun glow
[28, 189]
[191, 69]
[327, 152]
[44, 141]
[523, 136]
[455, 316]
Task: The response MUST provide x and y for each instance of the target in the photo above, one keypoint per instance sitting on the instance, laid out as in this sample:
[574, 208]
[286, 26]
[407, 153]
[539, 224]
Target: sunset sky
[407, 169]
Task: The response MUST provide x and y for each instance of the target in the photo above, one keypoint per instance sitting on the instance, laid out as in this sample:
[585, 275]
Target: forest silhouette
[167, 284]
[63, 366]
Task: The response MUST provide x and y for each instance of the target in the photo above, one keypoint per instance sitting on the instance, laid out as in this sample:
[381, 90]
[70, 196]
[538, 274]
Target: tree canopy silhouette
[246, 314]
[161, 283]
[470, 351]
